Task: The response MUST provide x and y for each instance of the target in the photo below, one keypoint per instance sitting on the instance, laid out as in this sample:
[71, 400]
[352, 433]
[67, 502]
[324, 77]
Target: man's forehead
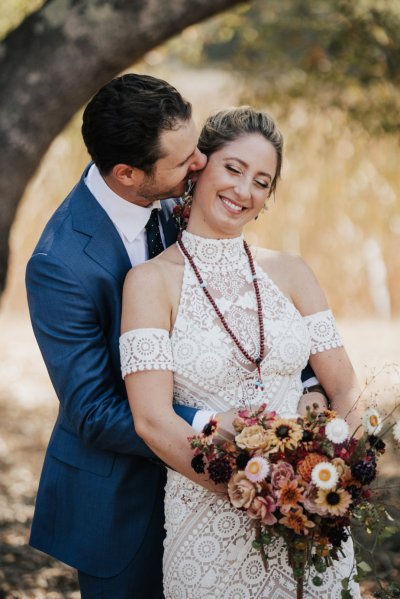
[180, 142]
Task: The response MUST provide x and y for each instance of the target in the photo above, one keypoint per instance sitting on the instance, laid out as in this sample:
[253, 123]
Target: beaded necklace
[256, 361]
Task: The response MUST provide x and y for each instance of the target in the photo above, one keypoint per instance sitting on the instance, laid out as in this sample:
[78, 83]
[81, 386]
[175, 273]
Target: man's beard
[151, 194]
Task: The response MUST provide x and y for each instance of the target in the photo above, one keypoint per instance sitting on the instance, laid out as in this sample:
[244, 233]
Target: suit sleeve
[67, 327]
[307, 373]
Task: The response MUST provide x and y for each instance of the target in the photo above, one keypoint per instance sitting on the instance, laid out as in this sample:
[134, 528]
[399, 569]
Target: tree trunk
[56, 60]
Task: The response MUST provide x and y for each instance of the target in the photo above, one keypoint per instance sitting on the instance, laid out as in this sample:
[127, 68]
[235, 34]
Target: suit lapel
[105, 245]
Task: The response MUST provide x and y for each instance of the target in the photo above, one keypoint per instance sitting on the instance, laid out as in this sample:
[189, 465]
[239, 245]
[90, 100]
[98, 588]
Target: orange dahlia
[289, 494]
[297, 521]
[305, 467]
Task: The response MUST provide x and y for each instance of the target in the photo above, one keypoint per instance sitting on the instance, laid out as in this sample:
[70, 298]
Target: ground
[27, 412]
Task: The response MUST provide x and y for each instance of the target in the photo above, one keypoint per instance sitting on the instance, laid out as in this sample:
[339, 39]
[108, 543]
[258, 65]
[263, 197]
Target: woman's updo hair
[228, 125]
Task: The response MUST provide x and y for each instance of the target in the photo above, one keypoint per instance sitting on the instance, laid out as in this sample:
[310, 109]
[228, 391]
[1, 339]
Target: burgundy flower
[220, 470]
[198, 463]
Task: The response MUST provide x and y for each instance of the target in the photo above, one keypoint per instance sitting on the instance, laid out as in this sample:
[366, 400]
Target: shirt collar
[129, 218]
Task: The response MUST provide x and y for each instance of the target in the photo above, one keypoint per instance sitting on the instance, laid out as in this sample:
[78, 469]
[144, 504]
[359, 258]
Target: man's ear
[127, 175]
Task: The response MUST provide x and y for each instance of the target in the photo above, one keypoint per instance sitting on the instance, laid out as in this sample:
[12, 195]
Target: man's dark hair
[122, 123]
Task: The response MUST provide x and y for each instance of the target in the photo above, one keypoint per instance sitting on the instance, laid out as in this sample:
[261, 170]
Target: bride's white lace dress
[208, 545]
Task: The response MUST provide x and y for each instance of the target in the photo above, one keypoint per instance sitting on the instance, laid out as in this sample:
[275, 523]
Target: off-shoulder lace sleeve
[145, 349]
[323, 331]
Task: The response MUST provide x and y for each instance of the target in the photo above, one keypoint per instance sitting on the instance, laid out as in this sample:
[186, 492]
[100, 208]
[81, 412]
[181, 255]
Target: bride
[192, 333]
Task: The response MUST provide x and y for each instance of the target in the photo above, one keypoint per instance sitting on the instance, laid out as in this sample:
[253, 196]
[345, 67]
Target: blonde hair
[228, 125]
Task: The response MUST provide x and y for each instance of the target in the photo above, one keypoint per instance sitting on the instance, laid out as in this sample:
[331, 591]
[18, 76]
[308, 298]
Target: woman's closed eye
[263, 184]
[233, 169]
[237, 171]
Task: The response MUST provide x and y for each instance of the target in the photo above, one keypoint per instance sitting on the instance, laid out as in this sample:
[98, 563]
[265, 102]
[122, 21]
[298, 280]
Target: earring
[181, 211]
[187, 196]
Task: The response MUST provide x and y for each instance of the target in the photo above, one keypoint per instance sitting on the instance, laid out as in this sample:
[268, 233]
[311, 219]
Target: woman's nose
[243, 188]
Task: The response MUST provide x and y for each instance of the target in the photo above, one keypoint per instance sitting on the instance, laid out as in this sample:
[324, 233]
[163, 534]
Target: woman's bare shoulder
[294, 277]
[280, 265]
[154, 272]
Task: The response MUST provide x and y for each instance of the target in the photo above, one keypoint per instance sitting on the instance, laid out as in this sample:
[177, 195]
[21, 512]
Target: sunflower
[335, 501]
[210, 428]
[284, 434]
[297, 521]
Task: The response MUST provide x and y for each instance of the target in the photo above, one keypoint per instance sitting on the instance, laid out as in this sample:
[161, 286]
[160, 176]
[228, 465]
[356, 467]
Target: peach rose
[241, 491]
[261, 509]
[281, 473]
[252, 437]
[310, 495]
[342, 468]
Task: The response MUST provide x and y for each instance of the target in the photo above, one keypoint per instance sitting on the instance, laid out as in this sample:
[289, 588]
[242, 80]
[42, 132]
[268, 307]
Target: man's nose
[199, 161]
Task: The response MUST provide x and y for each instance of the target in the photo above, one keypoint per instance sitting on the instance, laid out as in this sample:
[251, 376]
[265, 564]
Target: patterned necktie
[154, 241]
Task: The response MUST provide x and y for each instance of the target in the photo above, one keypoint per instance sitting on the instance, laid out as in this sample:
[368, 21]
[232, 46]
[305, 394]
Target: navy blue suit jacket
[99, 485]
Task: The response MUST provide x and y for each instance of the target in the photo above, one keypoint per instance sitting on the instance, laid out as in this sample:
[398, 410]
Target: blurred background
[329, 72]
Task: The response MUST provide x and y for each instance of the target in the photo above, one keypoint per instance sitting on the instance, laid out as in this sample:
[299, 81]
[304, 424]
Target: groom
[100, 501]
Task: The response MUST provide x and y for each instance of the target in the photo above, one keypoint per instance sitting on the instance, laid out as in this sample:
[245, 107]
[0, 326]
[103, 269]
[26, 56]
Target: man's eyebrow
[243, 163]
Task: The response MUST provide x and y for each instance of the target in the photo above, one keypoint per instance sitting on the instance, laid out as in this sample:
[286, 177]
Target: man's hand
[225, 430]
[308, 399]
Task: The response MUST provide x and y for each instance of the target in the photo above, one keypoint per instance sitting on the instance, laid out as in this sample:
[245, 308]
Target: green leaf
[394, 588]
[317, 581]
[364, 567]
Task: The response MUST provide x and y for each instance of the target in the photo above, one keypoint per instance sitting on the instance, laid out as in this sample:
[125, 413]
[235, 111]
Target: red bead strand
[256, 361]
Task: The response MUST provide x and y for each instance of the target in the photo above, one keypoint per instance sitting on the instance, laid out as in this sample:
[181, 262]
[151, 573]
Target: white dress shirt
[130, 221]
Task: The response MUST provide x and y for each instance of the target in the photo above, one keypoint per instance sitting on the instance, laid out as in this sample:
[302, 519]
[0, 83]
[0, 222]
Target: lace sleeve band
[323, 331]
[145, 349]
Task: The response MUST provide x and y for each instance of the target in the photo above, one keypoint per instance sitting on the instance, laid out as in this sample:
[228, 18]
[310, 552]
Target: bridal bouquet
[302, 480]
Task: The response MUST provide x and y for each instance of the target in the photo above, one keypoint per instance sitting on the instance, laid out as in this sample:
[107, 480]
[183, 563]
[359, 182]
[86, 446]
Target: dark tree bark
[54, 62]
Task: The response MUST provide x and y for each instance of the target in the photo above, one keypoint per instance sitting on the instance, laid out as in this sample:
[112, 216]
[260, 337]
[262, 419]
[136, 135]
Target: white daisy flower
[257, 469]
[396, 431]
[372, 421]
[337, 430]
[324, 475]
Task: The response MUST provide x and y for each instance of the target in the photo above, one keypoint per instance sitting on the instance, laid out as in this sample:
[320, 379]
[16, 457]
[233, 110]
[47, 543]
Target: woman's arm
[331, 366]
[147, 304]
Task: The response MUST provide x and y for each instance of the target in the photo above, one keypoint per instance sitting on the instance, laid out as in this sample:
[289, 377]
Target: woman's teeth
[231, 205]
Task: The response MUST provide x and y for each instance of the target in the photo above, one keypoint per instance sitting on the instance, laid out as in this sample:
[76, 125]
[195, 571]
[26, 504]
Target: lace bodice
[209, 370]
[208, 549]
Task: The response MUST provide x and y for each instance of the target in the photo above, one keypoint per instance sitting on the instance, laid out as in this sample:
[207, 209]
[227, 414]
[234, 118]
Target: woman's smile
[231, 206]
